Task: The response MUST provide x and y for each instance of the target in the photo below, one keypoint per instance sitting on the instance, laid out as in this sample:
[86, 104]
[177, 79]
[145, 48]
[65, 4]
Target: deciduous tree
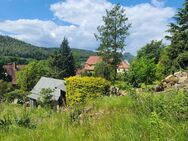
[112, 35]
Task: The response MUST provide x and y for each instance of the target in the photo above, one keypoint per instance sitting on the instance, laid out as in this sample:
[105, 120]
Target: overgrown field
[136, 117]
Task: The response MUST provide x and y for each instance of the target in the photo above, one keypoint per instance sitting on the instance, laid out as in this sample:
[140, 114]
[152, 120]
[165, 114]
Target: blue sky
[45, 22]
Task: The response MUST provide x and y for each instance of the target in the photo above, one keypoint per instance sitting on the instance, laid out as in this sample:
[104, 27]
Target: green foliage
[151, 51]
[103, 70]
[122, 85]
[179, 40]
[80, 89]
[45, 98]
[5, 123]
[112, 36]
[62, 61]
[170, 105]
[30, 75]
[25, 121]
[141, 70]
[182, 60]
[80, 56]
[5, 87]
[13, 47]
[16, 94]
[164, 66]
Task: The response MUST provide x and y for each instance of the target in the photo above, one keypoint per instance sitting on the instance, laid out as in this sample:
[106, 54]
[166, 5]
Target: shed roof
[48, 83]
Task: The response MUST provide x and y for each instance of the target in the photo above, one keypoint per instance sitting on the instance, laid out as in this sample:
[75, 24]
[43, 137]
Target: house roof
[48, 83]
[123, 65]
[92, 60]
[11, 70]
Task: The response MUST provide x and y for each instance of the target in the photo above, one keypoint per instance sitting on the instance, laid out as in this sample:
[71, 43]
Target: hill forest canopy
[13, 48]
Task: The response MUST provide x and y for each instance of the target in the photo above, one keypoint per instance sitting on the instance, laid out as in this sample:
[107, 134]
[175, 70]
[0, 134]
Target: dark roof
[11, 70]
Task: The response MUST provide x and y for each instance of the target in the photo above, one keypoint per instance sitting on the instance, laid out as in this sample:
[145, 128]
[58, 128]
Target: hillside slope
[16, 48]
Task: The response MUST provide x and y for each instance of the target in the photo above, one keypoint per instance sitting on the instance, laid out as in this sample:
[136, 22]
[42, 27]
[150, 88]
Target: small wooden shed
[56, 85]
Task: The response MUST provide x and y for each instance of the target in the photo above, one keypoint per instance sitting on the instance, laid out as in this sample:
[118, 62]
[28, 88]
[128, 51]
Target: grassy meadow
[136, 117]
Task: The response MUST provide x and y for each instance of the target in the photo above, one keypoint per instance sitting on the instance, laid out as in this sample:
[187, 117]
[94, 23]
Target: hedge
[80, 89]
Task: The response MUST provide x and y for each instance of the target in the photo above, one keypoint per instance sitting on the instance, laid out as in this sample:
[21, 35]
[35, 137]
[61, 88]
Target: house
[90, 63]
[93, 60]
[56, 85]
[11, 69]
[123, 66]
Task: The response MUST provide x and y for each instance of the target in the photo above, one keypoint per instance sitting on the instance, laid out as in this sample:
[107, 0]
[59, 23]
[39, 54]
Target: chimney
[14, 65]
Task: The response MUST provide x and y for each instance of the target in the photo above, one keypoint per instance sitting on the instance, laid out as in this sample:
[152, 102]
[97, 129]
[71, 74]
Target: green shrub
[5, 123]
[141, 70]
[79, 89]
[123, 85]
[25, 121]
[5, 87]
[16, 94]
[172, 105]
[45, 98]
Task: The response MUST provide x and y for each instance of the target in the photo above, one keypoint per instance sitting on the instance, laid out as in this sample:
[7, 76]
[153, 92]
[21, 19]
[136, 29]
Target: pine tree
[112, 36]
[179, 39]
[62, 61]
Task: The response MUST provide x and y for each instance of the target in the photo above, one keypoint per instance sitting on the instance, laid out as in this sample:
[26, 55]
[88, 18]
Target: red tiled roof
[123, 65]
[92, 60]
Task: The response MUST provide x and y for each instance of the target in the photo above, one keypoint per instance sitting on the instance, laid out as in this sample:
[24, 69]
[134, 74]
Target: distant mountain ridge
[128, 56]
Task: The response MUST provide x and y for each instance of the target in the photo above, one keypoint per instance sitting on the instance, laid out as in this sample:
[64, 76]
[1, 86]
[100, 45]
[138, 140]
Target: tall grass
[137, 117]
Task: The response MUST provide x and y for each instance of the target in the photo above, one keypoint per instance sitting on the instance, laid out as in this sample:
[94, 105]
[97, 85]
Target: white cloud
[158, 3]
[148, 22]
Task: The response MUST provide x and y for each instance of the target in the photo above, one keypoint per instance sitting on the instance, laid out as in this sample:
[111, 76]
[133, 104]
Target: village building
[123, 66]
[58, 95]
[93, 60]
[11, 70]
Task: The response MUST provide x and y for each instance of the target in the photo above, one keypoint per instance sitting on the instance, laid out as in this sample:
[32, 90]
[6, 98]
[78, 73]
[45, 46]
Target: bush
[141, 70]
[182, 60]
[103, 70]
[45, 98]
[170, 105]
[5, 87]
[79, 89]
[25, 121]
[16, 94]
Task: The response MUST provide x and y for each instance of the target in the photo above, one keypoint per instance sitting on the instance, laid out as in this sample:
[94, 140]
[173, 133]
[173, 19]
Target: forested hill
[16, 48]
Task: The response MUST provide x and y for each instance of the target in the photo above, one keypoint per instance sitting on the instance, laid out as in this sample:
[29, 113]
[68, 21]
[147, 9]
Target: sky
[46, 22]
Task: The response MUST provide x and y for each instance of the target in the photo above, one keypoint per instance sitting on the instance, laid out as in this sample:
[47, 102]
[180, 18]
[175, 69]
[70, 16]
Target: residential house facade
[93, 60]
